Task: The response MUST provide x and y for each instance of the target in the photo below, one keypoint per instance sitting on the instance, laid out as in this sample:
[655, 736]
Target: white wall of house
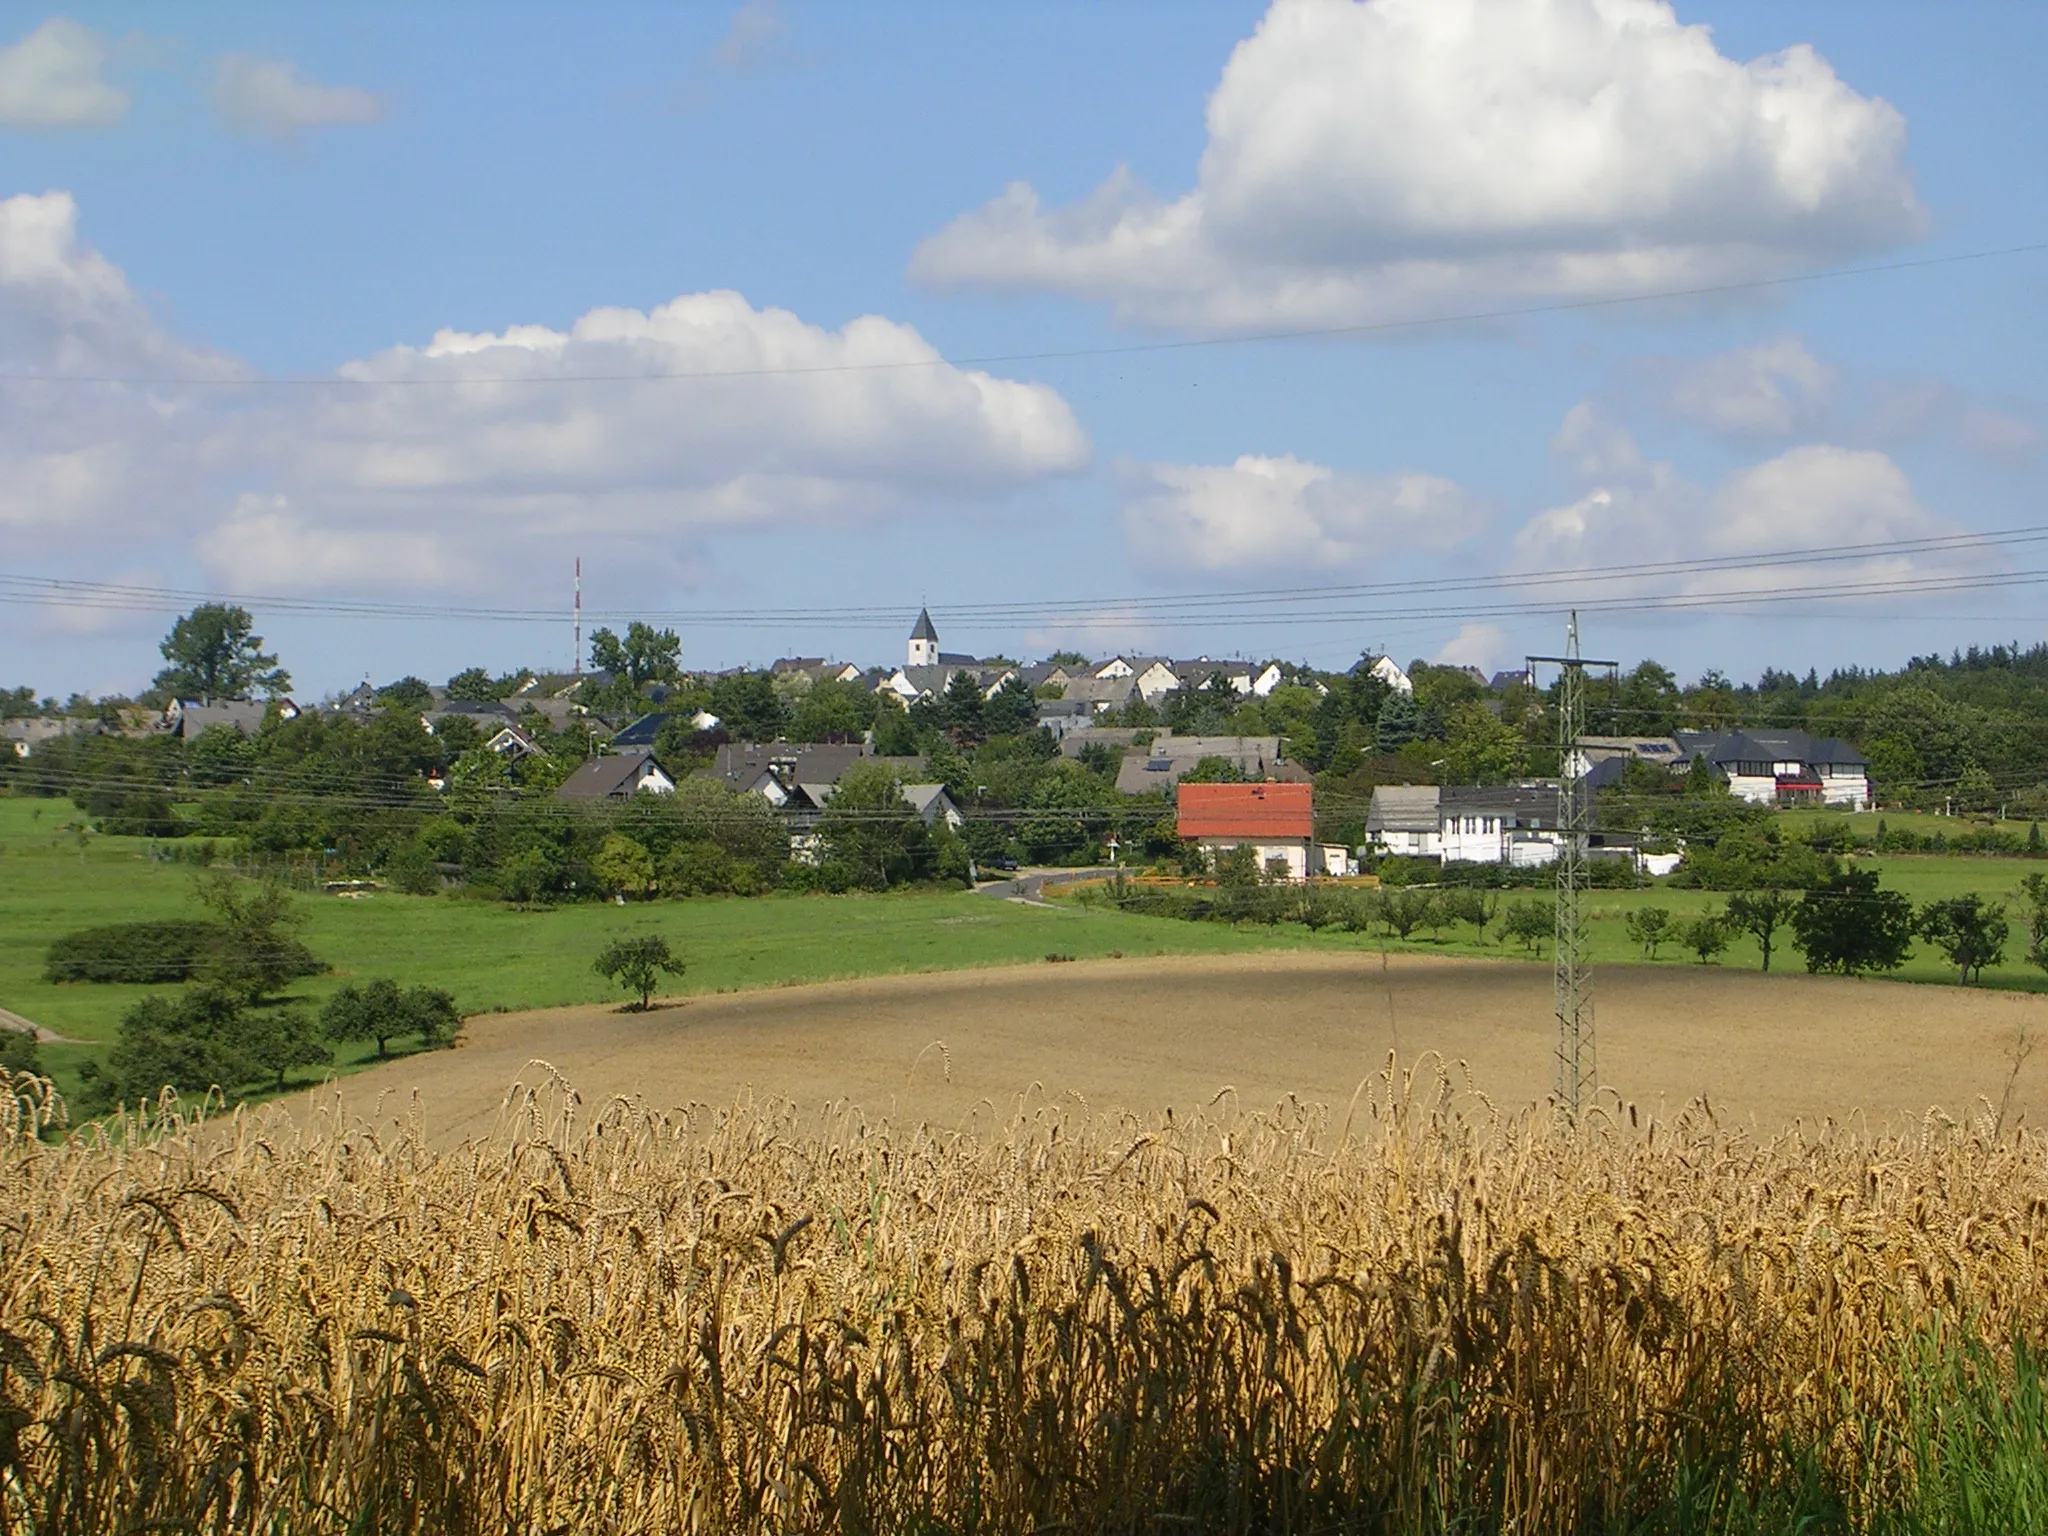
[1337, 861]
[1263, 683]
[1411, 845]
[1845, 786]
[1390, 673]
[1293, 853]
[1115, 667]
[1756, 787]
[1478, 838]
[1156, 680]
[1532, 850]
[653, 781]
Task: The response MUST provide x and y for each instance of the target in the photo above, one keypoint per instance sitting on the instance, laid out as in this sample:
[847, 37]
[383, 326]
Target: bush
[164, 953]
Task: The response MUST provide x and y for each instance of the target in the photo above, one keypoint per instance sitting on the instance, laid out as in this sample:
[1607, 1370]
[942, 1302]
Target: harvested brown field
[600, 1318]
[970, 1048]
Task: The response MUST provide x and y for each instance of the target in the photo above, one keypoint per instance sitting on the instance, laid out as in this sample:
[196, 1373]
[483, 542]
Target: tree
[188, 1044]
[379, 1010]
[961, 708]
[622, 867]
[869, 828]
[1011, 710]
[476, 685]
[646, 655]
[749, 706]
[1529, 923]
[1706, 935]
[277, 1041]
[1969, 930]
[409, 693]
[2033, 894]
[637, 964]
[1847, 925]
[1701, 782]
[258, 952]
[1399, 722]
[213, 655]
[1403, 911]
[1650, 927]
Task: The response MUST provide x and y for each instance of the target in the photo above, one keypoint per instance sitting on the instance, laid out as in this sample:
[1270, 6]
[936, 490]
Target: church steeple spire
[924, 641]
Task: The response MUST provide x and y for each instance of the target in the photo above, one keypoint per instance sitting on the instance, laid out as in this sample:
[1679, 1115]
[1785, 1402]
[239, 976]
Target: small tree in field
[1528, 923]
[1650, 927]
[1760, 914]
[637, 964]
[1969, 930]
[379, 1010]
[1706, 935]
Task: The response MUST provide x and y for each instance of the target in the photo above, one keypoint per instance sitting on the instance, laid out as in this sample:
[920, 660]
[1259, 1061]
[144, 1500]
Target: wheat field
[1407, 1313]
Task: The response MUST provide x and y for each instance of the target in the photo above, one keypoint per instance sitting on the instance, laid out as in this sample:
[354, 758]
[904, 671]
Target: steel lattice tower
[1577, 1073]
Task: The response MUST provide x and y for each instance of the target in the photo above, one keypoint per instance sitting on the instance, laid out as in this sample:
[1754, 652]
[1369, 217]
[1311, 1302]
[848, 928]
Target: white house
[1402, 819]
[1784, 767]
[617, 778]
[1389, 673]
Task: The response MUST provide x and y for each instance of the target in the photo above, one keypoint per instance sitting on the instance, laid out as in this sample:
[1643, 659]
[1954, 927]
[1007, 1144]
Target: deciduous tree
[638, 964]
[213, 655]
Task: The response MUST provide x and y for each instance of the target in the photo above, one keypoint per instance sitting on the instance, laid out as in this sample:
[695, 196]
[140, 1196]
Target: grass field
[492, 956]
[495, 957]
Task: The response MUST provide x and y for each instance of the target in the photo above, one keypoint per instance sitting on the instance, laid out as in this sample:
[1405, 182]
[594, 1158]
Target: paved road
[1029, 885]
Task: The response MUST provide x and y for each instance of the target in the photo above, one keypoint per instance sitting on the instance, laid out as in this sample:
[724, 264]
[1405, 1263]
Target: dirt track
[1146, 1034]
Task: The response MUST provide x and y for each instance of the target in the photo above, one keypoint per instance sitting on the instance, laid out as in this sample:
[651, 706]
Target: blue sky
[284, 193]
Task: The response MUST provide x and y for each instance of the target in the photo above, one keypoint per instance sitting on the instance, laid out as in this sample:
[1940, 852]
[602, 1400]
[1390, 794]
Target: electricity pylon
[1577, 1073]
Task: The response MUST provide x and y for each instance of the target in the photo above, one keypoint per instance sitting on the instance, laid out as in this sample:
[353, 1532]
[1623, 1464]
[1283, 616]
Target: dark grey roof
[1749, 746]
[1403, 808]
[924, 630]
[606, 778]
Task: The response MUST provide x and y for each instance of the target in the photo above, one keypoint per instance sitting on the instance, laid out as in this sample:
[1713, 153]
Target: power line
[1067, 354]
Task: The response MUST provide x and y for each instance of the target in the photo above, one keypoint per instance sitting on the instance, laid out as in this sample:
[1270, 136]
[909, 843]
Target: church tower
[924, 641]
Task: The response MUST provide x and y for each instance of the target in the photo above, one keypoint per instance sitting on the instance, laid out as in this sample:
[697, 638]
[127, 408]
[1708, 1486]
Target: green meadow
[492, 956]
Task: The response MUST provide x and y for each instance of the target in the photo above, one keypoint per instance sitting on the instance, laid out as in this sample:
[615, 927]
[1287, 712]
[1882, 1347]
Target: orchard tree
[380, 1010]
[869, 827]
[1847, 925]
[1760, 914]
[213, 655]
[637, 964]
[1650, 927]
[1969, 930]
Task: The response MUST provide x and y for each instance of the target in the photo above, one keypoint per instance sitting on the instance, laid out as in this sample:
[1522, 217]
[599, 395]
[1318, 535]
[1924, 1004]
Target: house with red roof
[1278, 821]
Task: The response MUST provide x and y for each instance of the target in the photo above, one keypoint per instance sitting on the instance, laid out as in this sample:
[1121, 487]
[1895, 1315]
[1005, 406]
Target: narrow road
[1028, 885]
[16, 1024]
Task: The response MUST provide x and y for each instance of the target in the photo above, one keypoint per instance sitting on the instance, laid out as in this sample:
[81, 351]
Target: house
[1172, 758]
[1277, 821]
[1099, 693]
[643, 731]
[1402, 819]
[933, 805]
[1520, 677]
[1513, 824]
[487, 715]
[815, 669]
[360, 701]
[1079, 737]
[1784, 767]
[1591, 751]
[1389, 673]
[189, 717]
[927, 682]
[25, 735]
[1059, 716]
[776, 769]
[616, 779]
[513, 744]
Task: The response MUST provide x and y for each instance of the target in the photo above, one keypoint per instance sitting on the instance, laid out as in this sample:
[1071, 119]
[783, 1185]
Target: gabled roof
[924, 630]
[1247, 810]
[608, 778]
[1403, 808]
[1749, 746]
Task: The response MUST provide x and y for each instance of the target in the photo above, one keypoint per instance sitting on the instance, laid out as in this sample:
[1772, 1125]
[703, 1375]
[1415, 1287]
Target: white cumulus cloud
[1474, 645]
[53, 78]
[1635, 510]
[1382, 160]
[1278, 514]
[451, 462]
[1775, 389]
[271, 98]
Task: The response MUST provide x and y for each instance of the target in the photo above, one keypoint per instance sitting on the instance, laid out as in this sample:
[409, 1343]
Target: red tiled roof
[1247, 810]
